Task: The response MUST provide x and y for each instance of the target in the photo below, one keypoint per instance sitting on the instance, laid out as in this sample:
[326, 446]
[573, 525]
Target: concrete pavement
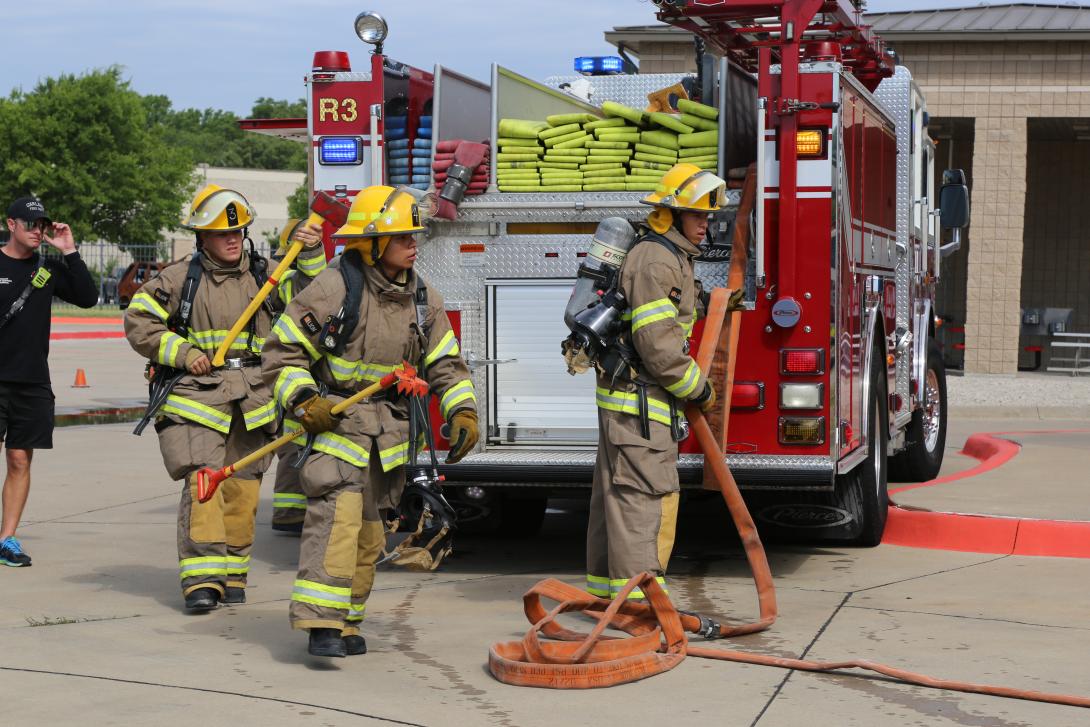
[94, 632]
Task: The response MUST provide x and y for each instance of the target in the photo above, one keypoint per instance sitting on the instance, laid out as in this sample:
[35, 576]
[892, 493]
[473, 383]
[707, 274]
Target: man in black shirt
[28, 282]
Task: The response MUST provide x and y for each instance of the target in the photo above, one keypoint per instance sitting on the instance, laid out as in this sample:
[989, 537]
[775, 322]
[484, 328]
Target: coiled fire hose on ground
[657, 630]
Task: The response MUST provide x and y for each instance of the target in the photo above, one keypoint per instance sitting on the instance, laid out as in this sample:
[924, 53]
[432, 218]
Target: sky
[215, 54]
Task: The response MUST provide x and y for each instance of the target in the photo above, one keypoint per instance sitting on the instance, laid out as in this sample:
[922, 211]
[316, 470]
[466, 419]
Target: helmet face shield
[688, 187]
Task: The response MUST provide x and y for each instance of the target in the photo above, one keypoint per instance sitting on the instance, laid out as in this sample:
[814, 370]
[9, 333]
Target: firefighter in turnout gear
[212, 415]
[634, 495]
[289, 502]
[353, 324]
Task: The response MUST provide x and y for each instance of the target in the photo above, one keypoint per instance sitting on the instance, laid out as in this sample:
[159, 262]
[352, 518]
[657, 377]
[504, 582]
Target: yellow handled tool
[268, 287]
[323, 208]
[404, 376]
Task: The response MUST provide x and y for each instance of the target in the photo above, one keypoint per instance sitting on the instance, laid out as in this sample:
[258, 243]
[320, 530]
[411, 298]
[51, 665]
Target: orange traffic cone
[81, 380]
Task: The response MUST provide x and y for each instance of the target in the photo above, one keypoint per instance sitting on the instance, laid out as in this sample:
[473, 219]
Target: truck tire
[863, 493]
[925, 437]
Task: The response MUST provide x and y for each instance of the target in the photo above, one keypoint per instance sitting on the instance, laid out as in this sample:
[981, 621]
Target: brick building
[1008, 91]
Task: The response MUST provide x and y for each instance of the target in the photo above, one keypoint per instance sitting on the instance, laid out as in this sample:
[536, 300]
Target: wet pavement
[94, 633]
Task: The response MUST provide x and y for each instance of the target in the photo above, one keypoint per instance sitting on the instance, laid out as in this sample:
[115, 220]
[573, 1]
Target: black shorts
[26, 416]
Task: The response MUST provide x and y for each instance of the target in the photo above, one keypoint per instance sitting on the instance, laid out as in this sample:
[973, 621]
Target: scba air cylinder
[611, 243]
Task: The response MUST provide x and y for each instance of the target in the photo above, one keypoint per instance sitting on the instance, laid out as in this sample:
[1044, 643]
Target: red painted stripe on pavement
[77, 321]
[68, 335]
[950, 531]
[991, 451]
[984, 533]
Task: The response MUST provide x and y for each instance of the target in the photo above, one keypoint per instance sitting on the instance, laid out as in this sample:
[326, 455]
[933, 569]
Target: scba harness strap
[338, 327]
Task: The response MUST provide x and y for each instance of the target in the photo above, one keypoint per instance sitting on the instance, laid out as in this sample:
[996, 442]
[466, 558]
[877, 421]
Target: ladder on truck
[757, 35]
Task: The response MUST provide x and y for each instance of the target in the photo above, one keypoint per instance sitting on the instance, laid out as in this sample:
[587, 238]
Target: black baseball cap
[29, 209]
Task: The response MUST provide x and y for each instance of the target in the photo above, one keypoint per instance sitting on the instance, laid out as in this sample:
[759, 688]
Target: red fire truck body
[837, 377]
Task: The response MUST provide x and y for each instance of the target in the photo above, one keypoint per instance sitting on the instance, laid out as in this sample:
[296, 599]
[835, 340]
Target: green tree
[299, 202]
[84, 144]
[213, 136]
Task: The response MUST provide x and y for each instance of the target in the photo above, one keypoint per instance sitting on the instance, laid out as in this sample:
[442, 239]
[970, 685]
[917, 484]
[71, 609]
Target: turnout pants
[342, 539]
[214, 538]
[633, 504]
[289, 502]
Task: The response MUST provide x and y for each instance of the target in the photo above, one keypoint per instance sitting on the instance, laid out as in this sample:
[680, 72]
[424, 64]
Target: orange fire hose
[657, 630]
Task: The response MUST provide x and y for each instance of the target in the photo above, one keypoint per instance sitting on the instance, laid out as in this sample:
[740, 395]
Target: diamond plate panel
[895, 95]
[630, 90]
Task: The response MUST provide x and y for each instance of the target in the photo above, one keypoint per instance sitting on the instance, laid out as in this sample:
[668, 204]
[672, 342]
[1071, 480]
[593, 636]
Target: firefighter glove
[463, 434]
[706, 400]
[316, 415]
[735, 301]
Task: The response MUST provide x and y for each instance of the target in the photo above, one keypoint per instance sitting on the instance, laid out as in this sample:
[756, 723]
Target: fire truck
[838, 385]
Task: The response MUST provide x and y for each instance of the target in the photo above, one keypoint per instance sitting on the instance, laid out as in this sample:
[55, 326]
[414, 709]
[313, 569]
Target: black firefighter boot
[355, 645]
[202, 599]
[326, 642]
[234, 595]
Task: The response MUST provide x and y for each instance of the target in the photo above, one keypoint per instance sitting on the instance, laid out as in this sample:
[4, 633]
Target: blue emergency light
[599, 65]
[334, 150]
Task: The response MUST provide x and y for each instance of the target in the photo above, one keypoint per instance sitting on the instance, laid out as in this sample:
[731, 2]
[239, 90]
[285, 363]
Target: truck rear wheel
[863, 492]
[921, 458]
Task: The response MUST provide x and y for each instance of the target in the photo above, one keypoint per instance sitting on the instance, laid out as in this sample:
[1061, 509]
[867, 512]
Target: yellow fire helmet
[290, 226]
[686, 187]
[216, 209]
[377, 214]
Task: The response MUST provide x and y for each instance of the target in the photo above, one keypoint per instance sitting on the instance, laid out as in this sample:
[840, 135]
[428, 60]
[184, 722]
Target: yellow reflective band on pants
[683, 388]
[598, 586]
[260, 416]
[447, 346]
[318, 594]
[289, 382]
[629, 403]
[355, 612]
[648, 313]
[286, 330]
[143, 301]
[238, 566]
[334, 445]
[169, 346]
[461, 391]
[394, 456]
[617, 584]
[289, 501]
[210, 565]
[197, 412]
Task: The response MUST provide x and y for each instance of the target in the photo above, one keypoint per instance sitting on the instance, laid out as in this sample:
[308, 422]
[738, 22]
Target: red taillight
[802, 361]
[747, 395]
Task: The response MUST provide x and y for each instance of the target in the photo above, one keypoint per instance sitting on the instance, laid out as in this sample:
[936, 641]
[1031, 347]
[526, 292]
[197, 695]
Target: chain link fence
[118, 271]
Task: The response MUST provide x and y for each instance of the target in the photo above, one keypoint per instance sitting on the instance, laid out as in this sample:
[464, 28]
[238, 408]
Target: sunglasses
[40, 225]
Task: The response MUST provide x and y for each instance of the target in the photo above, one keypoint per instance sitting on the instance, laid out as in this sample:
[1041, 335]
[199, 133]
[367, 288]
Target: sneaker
[11, 553]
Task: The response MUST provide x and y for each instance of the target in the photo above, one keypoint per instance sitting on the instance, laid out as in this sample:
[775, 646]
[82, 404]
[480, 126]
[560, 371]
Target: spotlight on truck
[371, 29]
